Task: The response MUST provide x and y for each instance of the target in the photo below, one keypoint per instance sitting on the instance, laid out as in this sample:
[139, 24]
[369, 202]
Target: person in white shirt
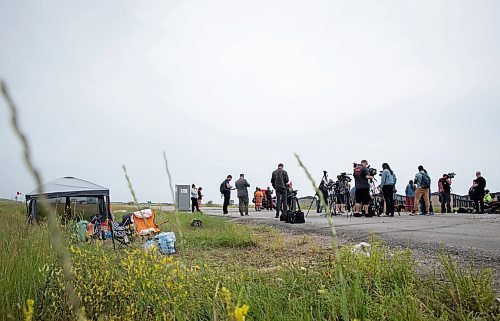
[194, 198]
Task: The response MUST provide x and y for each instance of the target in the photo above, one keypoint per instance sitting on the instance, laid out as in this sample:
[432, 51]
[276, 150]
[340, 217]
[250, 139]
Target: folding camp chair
[144, 222]
[122, 231]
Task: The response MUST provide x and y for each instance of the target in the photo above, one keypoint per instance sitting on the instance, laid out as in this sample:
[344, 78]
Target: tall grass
[255, 266]
[25, 251]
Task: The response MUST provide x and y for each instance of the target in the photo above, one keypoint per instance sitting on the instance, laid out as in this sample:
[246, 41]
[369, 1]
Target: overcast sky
[230, 87]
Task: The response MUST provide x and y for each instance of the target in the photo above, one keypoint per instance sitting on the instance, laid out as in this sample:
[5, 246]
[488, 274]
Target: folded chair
[144, 222]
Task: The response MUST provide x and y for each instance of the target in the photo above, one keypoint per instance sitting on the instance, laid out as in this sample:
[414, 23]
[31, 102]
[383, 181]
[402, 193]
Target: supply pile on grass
[225, 271]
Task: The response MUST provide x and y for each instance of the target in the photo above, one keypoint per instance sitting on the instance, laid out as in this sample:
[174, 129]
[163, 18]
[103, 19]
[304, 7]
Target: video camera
[451, 175]
[292, 193]
[371, 171]
[343, 177]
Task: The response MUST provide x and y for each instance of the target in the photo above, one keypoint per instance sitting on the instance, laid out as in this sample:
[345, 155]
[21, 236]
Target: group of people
[196, 198]
[479, 194]
[279, 181]
[418, 191]
[263, 199]
[363, 184]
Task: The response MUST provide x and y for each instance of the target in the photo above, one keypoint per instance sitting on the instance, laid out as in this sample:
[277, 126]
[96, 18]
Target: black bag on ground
[290, 217]
[299, 218]
[283, 217]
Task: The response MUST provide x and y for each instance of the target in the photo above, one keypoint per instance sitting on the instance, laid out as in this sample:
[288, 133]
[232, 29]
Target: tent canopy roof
[69, 186]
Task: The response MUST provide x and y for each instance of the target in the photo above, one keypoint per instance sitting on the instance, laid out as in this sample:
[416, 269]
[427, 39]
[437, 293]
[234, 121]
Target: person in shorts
[362, 183]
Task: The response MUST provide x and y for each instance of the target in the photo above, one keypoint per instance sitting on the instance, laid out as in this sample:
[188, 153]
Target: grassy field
[226, 271]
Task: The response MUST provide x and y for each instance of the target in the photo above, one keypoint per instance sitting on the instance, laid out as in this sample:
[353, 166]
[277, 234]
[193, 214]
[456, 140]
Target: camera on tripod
[343, 177]
[373, 171]
[292, 193]
[451, 175]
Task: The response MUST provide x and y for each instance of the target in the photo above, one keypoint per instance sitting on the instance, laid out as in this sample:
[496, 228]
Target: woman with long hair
[387, 184]
[200, 198]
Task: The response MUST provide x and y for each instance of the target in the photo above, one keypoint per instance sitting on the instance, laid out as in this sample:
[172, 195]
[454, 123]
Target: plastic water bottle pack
[166, 242]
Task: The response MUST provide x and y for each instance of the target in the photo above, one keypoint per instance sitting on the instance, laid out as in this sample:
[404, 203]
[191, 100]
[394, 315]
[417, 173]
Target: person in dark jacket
[444, 186]
[227, 193]
[479, 188]
[279, 180]
[242, 193]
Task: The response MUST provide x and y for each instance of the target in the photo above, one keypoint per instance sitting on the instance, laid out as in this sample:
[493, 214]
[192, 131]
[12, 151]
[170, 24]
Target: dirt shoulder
[426, 254]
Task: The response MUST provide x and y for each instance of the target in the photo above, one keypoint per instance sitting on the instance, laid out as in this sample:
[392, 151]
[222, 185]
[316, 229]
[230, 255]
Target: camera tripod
[323, 184]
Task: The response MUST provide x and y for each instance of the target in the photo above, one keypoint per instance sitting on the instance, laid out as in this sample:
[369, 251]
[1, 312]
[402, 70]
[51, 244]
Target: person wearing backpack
[423, 182]
[225, 190]
[387, 183]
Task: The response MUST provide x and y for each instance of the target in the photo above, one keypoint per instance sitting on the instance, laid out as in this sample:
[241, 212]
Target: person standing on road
[259, 198]
[242, 192]
[194, 199]
[225, 189]
[410, 195]
[423, 182]
[479, 190]
[431, 207]
[279, 180]
[200, 197]
[269, 199]
[444, 185]
[387, 183]
[362, 183]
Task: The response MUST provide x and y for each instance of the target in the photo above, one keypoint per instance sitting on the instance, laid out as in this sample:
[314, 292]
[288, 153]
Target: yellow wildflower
[240, 312]
[28, 312]
[227, 296]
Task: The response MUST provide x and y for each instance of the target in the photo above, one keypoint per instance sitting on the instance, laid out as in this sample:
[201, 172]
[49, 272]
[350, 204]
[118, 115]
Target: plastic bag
[148, 246]
[166, 242]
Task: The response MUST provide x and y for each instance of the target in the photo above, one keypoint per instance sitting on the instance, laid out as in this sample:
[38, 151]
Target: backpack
[223, 187]
[426, 181]
[358, 170]
[299, 218]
